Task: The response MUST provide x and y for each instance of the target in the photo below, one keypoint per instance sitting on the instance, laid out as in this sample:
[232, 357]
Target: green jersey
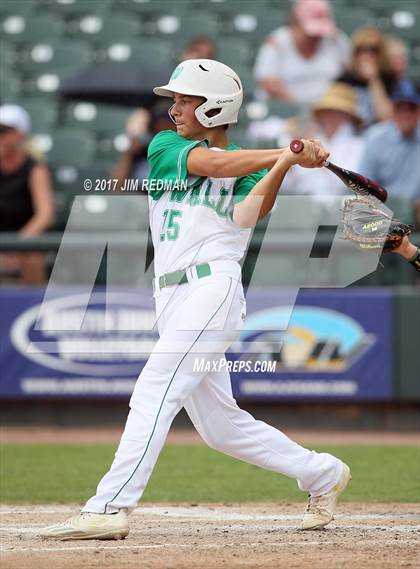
[190, 216]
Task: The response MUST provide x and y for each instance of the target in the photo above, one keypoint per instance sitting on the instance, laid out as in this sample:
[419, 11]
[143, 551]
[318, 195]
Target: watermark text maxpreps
[247, 366]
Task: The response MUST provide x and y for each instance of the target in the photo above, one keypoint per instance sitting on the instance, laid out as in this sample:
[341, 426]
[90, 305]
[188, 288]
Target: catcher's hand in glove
[369, 226]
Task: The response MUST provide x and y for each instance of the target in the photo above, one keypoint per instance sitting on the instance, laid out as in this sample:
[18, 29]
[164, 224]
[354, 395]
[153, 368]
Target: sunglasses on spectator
[5, 128]
[367, 49]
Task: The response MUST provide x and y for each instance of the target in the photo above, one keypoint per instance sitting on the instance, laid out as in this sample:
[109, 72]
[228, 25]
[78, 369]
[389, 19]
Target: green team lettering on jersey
[167, 155]
[170, 225]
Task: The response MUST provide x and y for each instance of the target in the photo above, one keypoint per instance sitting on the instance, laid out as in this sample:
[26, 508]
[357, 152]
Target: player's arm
[261, 198]
[205, 162]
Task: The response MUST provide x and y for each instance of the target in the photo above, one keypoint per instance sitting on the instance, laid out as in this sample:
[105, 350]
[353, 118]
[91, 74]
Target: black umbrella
[116, 84]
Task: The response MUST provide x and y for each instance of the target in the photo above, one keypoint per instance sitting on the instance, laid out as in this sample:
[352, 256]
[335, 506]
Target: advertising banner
[337, 344]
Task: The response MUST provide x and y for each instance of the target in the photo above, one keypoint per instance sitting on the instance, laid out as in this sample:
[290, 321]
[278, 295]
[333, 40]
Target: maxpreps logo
[317, 339]
[111, 341]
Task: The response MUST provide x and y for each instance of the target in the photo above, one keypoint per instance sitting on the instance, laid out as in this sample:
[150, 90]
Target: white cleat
[320, 509]
[90, 526]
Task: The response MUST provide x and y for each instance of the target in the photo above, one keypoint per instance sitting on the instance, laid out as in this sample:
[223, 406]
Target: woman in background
[371, 75]
[26, 204]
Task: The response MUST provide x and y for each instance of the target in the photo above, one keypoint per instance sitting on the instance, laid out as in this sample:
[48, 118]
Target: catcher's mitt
[369, 226]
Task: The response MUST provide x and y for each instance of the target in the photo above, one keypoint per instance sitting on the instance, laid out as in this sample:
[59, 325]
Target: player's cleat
[90, 526]
[320, 509]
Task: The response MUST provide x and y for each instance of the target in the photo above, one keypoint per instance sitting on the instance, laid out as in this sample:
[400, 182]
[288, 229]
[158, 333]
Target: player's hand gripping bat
[356, 182]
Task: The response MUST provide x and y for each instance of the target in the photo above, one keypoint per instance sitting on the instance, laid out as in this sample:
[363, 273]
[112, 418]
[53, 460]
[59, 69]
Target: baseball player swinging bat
[366, 224]
[201, 306]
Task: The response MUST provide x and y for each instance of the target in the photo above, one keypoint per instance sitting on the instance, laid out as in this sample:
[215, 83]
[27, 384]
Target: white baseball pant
[201, 318]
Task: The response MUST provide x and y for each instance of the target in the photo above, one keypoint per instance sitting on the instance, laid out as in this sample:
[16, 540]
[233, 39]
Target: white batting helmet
[211, 79]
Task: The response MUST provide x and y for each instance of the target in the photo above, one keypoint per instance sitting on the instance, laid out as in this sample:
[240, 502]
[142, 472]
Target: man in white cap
[297, 62]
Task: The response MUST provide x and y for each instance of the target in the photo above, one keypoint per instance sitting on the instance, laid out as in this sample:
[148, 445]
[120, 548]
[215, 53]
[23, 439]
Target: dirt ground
[191, 536]
[44, 434]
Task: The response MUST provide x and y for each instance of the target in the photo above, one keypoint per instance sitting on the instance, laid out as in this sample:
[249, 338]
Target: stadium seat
[350, 20]
[154, 7]
[8, 57]
[348, 265]
[43, 114]
[401, 23]
[144, 50]
[233, 51]
[30, 30]
[225, 8]
[260, 110]
[45, 83]
[403, 209]
[283, 109]
[70, 55]
[98, 118]
[104, 29]
[414, 73]
[257, 25]
[374, 5]
[72, 147]
[71, 8]
[237, 135]
[287, 214]
[109, 149]
[67, 184]
[12, 23]
[247, 78]
[10, 86]
[105, 212]
[390, 8]
[181, 28]
[21, 8]
[279, 268]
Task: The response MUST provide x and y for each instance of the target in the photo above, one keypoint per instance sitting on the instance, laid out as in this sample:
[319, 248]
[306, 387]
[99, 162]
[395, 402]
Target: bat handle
[297, 146]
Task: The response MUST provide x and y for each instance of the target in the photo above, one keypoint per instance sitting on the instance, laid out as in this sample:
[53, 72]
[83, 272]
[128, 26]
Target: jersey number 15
[170, 225]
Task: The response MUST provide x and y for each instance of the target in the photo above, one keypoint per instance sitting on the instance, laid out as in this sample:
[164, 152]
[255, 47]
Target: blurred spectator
[392, 148]
[200, 47]
[298, 62]
[336, 120]
[371, 75]
[142, 125]
[398, 56]
[27, 204]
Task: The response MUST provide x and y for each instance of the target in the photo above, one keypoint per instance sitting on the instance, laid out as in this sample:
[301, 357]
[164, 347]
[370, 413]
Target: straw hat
[339, 97]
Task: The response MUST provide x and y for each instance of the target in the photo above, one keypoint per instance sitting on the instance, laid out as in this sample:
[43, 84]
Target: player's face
[183, 112]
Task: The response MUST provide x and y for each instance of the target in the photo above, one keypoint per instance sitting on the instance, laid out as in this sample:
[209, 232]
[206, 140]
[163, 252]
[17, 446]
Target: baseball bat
[356, 182]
